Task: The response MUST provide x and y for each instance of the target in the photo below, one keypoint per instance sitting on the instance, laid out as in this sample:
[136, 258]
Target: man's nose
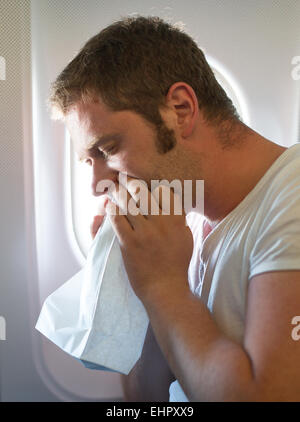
[103, 174]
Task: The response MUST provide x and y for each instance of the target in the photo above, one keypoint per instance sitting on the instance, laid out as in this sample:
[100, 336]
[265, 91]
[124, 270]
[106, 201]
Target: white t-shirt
[261, 234]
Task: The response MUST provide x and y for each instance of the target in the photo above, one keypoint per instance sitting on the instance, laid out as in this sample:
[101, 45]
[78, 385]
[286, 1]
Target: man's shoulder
[284, 179]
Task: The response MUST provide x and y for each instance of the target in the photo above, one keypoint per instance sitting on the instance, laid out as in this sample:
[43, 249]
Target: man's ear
[182, 102]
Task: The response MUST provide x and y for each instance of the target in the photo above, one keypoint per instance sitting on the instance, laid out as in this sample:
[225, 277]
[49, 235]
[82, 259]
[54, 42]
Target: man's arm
[151, 377]
[211, 367]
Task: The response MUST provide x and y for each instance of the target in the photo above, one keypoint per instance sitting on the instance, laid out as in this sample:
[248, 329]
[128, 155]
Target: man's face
[113, 142]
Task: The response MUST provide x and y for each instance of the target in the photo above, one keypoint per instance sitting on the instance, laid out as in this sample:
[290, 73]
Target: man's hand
[156, 249]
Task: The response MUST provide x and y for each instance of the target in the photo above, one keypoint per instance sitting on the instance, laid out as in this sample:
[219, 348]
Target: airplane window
[233, 92]
[83, 204]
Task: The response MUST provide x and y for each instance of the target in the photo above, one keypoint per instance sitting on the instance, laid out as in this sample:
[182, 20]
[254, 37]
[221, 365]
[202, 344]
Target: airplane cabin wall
[252, 43]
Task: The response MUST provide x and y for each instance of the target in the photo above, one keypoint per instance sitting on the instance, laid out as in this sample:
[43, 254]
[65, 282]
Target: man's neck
[231, 173]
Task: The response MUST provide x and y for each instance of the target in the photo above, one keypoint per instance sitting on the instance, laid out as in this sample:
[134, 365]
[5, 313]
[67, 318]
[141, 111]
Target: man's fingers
[120, 223]
[140, 202]
[164, 199]
[123, 203]
[101, 205]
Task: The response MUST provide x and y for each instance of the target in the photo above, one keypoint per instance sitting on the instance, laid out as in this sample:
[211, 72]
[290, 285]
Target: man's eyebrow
[103, 139]
[96, 142]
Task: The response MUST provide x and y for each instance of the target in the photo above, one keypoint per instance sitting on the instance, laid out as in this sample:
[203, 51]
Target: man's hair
[132, 63]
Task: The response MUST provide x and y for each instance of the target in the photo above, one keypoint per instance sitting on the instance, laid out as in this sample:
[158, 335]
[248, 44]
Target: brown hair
[132, 63]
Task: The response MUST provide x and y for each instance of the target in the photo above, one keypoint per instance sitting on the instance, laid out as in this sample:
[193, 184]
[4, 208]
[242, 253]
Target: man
[140, 98]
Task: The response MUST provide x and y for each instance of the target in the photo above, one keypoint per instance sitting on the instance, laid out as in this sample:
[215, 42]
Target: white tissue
[96, 316]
